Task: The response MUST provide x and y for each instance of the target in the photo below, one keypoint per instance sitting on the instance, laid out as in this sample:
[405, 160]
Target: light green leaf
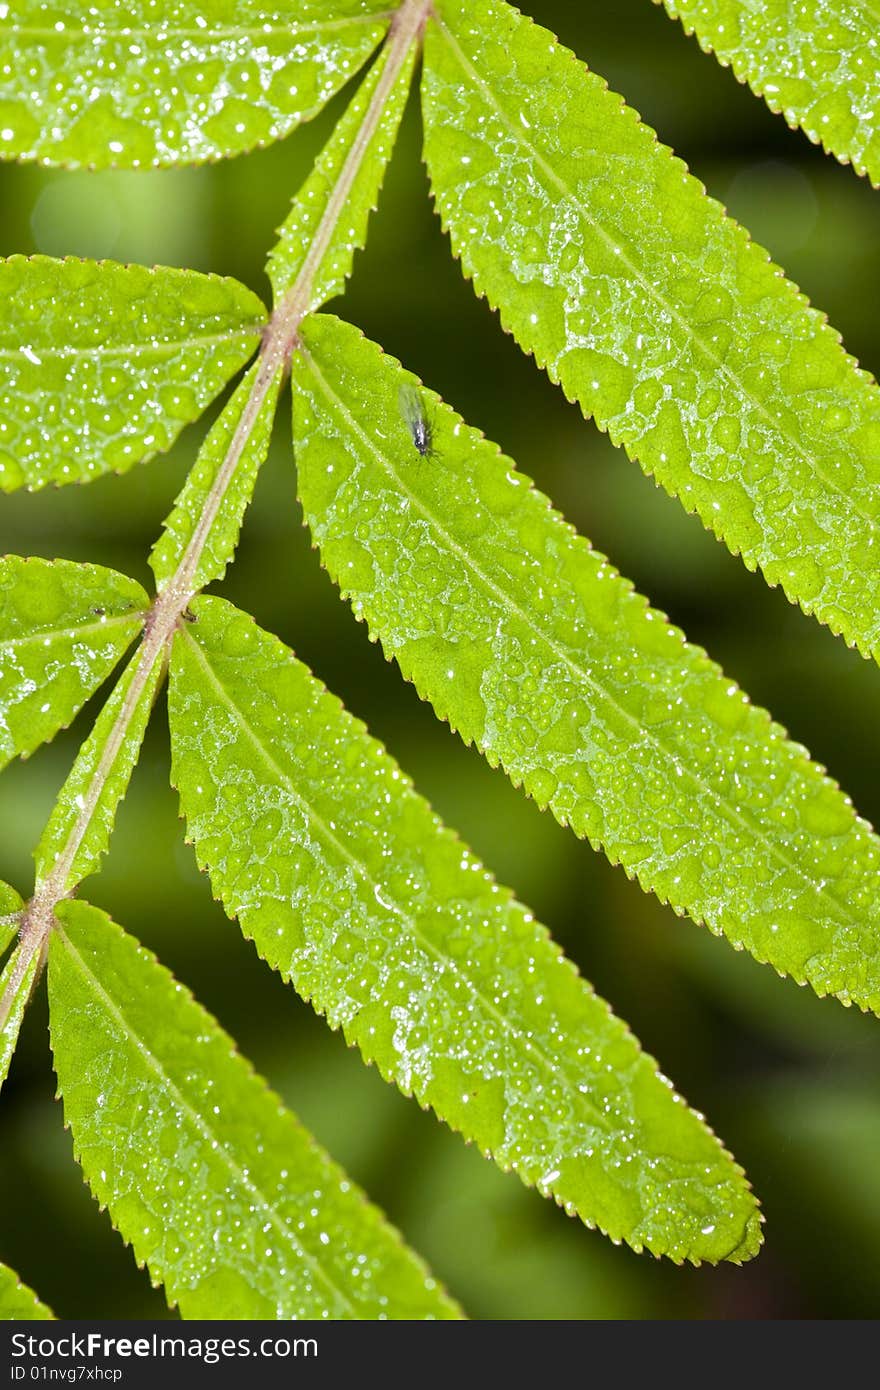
[217, 1187]
[10, 908]
[533, 647]
[349, 885]
[94, 83]
[63, 627]
[78, 831]
[14, 1006]
[328, 180]
[18, 1303]
[654, 310]
[104, 364]
[218, 454]
[816, 62]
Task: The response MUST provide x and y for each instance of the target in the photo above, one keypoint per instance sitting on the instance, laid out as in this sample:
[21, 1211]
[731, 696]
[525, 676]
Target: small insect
[418, 422]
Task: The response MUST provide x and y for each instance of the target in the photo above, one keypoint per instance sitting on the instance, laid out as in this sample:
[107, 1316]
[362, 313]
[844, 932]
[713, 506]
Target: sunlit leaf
[817, 62]
[85, 811]
[654, 310]
[104, 364]
[10, 907]
[63, 627]
[18, 1303]
[14, 1006]
[102, 84]
[207, 477]
[217, 1187]
[532, 646]
[298, 234]
[349, 885]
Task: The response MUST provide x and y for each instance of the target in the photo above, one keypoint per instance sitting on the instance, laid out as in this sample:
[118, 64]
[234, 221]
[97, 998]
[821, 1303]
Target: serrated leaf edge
[245, 332]
[870, 649]
[157, 1279]
[596, 842]
[678, 1256]
[90, 166]
[137, 617]
[737, 67]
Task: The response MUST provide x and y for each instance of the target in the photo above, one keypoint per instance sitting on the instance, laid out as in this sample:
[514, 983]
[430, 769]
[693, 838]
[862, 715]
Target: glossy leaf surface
[10, 907]
[350, 145]
[653, 309]
[105, 84]
[63, 627]
[349, 885]
[817, 62]
[207, 477]
[533, 647]
[216, 1186]
[103, 364]
[16, 1006]
[84, 814]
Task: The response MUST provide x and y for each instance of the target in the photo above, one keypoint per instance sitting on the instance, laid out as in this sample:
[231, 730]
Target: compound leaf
[533, 647]
[63, 627]
[817, 62]
[18, 1303]
[104, 364]
[208, 473]
[298, 234]
[93, 83]
[82, 818]
[351, 888]
[654, 310]
[217, 1187]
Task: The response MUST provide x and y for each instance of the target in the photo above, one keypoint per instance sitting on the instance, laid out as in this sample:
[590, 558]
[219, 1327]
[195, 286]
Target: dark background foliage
[789, 1081]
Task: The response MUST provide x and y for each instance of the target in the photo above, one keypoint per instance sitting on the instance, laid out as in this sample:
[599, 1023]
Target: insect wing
[412, 410]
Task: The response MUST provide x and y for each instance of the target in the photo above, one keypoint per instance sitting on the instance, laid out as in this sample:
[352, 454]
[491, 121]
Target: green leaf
[533, 647]
[654, 310]
[14, 1007]
[18, 1303]
[63, 627]
[209, 472]
[349, 885]
[817, 63]
[78, 831]
[298, 234]
[92, 83]
[10, 908]
[104, 364]
[217, 1187]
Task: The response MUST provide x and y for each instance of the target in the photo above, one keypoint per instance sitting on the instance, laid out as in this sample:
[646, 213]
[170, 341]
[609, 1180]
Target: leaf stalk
[280, 341]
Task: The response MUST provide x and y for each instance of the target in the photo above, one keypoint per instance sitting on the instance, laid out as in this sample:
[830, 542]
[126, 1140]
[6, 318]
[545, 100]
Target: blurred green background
[789, 1081]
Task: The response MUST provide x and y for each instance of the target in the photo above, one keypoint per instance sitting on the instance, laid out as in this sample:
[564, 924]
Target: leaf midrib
[650, 289]
[100, 30]
[201, 1125]
[529, 1045]
[11, 644]
[128, 350]
[732, 813]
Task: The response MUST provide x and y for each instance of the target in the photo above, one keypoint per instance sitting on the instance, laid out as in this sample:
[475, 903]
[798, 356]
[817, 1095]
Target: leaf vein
[212, 35]
[361, 869]
[650, 289]
[198, 1121]
[732, 812]
[10, 644]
